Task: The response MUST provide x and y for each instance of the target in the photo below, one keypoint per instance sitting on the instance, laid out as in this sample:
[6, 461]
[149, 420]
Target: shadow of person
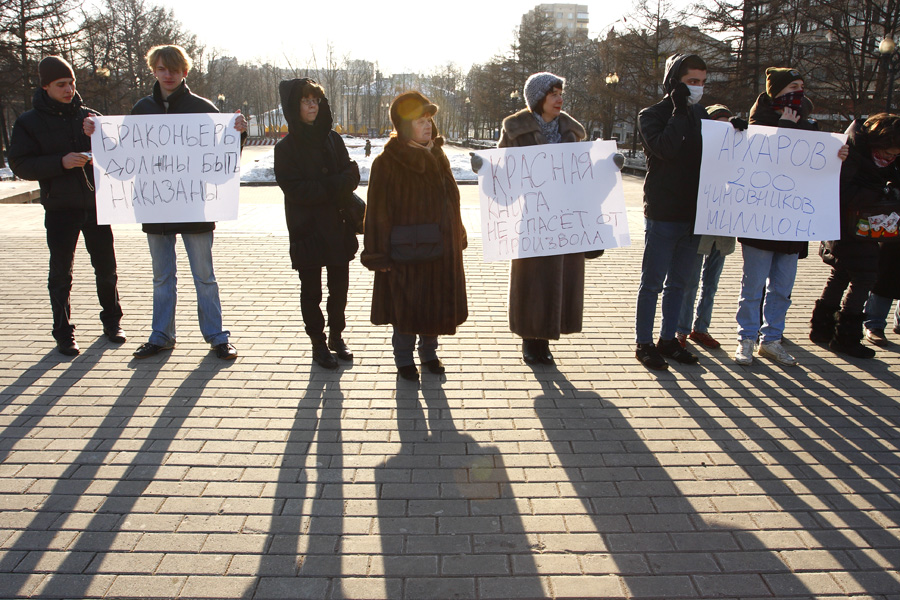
[447, 520]
[302, 559]
[638, 534]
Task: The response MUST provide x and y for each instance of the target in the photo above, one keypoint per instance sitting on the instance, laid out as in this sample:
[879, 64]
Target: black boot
[530, 351]
[544, 353]
[322, 356]
[821, 325]
[848, 334]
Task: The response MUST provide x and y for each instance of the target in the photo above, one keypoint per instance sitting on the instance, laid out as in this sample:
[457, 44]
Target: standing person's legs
[428, 345]
[310, 304]
[690, 295]
[712, 271]
[782, 274]
[403, 344]
[98, 239]
[681, 264]
[162, 256]
[755, 272]
[62, 237]
[338, 287]
[660, 240]
[877, 309]
[209, 308]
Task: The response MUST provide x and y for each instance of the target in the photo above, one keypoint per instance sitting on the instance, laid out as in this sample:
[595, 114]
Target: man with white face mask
[671, 135]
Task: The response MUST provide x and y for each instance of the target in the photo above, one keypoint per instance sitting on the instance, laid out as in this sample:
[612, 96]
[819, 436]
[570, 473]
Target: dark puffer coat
[862, 181]
[546, 293]
[412, 186]
[315, 172]
[762, 113]
[40, 139]
[673, 146]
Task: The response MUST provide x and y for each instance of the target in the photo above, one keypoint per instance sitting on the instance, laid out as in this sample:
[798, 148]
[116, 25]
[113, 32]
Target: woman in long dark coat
[411, 184]
[315, 172]
[546, 293]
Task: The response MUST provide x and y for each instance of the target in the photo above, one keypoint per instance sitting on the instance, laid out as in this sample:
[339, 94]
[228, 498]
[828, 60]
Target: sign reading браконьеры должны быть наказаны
[166, 168]
[769, 183]
[551, 199]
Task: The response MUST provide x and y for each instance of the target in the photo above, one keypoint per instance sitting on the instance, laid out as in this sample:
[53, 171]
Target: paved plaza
[183, 476]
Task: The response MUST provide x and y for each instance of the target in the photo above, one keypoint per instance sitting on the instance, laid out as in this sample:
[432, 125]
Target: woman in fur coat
[411, 184]
[546, 293]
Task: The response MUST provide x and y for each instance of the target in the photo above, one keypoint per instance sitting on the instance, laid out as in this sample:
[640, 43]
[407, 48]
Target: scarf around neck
[550, 130]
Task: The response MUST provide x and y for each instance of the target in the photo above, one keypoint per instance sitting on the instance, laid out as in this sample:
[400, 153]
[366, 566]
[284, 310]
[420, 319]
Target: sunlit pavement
[267, 477]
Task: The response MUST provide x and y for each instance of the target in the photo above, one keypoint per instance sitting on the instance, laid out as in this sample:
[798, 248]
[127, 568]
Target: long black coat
[40, 139]
[315, 172]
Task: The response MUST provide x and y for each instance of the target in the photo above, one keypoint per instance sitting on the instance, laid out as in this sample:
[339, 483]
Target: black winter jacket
[315, 172]
[181, 101]
[762, 113]
[40, 139]
[673, 147]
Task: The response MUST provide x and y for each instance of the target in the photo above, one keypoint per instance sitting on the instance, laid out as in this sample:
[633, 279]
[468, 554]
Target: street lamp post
[220, 102]
[888, 50]
[468, 109]
[514, 99]
[612, 80]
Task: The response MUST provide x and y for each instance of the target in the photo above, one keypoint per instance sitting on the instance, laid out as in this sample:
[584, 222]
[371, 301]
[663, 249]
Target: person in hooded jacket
[315, 172]
[411, 184]
[670, 131]
[770, 266]
[48, 144]
[867, 176]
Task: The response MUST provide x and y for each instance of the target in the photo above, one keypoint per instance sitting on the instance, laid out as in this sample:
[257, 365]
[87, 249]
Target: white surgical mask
[696, 93]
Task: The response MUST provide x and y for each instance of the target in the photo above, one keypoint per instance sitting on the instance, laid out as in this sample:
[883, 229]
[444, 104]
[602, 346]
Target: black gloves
[679, 95]
[738, 123]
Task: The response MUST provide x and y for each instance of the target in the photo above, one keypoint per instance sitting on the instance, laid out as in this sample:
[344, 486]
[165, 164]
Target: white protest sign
[769, 183]
[551, 199]
[166, 168]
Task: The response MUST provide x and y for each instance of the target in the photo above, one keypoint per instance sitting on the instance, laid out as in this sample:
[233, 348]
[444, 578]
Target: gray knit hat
[538, 86]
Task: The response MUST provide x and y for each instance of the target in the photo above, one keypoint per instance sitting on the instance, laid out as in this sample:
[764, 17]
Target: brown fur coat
[409, 186]
[546, 293]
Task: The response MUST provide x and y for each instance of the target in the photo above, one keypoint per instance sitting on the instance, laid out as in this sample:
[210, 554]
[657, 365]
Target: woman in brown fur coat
[411, 184]
[546, 293]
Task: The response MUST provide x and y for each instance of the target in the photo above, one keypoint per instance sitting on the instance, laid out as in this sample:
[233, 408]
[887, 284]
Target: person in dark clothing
[671, 134]
[771, 265]
[171, 95]
[867, 178]
[884, 292]
[48, 144]
[315, 172]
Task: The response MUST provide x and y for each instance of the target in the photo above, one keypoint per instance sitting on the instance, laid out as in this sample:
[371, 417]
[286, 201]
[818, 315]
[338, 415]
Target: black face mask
[792, 100]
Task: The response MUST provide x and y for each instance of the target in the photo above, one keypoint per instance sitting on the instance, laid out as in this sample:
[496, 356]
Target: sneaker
[776, 352]
[704, 339]
[672, 349]
[876, 336]
[649, 356]
[681, 338]
[226, 351]
[147, 350]
[743, 355]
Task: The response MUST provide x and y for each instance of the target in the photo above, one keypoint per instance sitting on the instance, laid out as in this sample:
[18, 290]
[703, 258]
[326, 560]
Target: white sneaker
[776, 352]
[743, 355]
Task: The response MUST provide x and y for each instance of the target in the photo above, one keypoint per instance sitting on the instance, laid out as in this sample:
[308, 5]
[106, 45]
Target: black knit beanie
[53, 68]
[779, 78]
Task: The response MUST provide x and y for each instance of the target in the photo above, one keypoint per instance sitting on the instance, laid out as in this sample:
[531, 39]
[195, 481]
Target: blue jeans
[877, 310]
[209, 309]
[669, 252]
[404, 343]
[711, 268]
[775, 272]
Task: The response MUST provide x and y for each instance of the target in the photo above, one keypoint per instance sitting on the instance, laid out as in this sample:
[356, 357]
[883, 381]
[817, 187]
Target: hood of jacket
[289, 91]
[42, 102]
[673, 67]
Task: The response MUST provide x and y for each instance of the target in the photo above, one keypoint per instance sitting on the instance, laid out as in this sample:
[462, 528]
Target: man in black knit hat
[48, 145]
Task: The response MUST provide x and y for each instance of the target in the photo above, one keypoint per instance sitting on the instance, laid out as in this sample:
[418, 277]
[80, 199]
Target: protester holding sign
[771, 265]
[868, 199]
[315, 172]
[171, 95]
[546, 293]
[48, 144]
[414, 238]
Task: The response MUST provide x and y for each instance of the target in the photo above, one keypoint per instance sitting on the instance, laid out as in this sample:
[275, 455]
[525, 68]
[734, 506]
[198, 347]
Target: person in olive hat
[48, 145]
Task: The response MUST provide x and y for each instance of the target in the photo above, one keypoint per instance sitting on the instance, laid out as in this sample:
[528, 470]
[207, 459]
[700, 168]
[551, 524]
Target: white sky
[401, 36]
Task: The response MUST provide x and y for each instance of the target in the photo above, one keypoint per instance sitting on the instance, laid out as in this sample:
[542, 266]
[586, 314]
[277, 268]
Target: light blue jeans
[209, 309]
[669, 252]
[776, 272]
[711, 268]
[405, 343]
[877, 310]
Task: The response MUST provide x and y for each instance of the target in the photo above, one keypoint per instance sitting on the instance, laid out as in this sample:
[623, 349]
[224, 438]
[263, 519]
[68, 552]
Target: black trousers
[63, 228]
[311, 297]
[859, 282]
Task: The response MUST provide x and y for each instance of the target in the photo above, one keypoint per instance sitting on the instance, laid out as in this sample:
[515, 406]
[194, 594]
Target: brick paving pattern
[183, 476]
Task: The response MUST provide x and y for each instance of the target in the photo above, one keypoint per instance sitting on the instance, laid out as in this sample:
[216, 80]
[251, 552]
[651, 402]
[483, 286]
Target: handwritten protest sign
[769, 183]
[166, 168]
[551, 199]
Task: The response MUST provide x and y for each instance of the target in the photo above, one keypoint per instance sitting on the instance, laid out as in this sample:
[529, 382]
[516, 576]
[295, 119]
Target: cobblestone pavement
[182, 476]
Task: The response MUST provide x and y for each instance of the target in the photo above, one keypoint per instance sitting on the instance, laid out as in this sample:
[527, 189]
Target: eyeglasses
[310, 102]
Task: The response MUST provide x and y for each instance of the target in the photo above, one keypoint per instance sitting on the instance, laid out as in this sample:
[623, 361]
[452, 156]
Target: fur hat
[538, 86]
[408, 107]
[53, 68]
[779, 78]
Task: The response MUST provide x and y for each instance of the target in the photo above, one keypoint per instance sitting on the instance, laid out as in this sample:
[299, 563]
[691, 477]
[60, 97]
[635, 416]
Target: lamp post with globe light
[891, 57]
[612, 80]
